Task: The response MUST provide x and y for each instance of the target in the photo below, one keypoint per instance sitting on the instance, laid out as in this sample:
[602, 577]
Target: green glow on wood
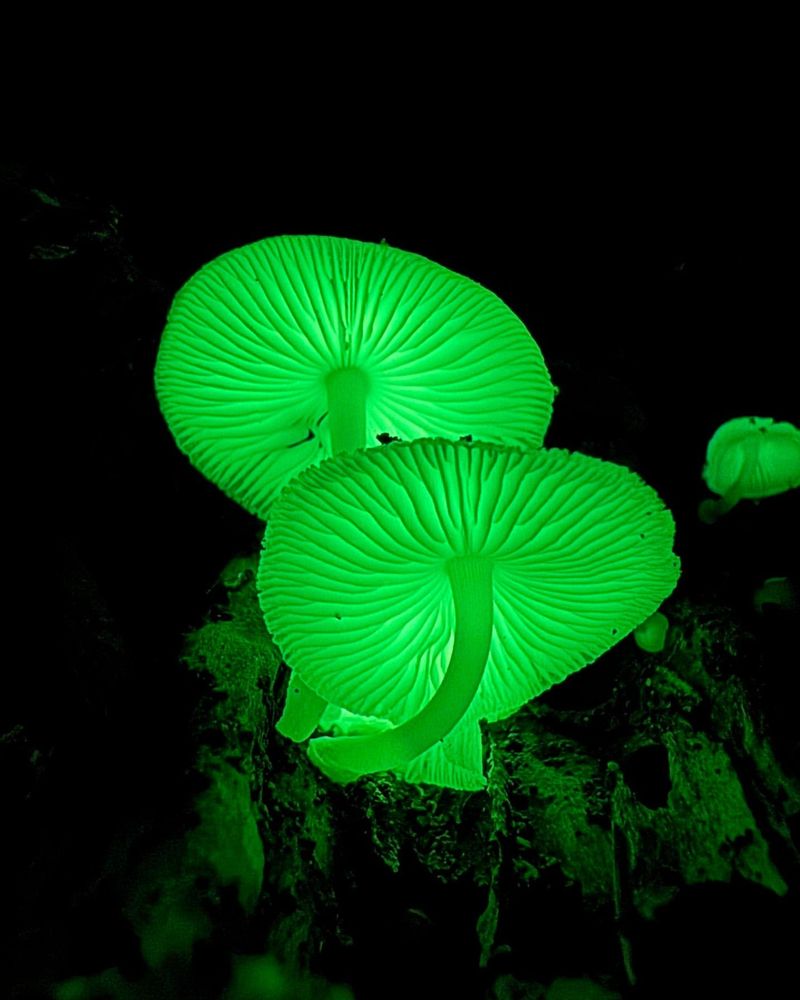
[346, 758]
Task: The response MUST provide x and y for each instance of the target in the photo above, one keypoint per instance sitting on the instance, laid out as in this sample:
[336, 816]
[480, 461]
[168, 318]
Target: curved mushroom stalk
[364, 583]
[345, 758]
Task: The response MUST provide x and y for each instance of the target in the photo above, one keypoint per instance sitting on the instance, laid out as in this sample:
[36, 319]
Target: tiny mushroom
[749, 458]
[284, 352]
[778, 592]
[651, 635]
[434, 583]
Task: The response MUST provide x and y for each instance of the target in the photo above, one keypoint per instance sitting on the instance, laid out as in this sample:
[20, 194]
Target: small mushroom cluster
[418, 587]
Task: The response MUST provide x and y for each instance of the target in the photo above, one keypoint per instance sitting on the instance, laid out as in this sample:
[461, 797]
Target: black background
[662, 301]
[662, 310]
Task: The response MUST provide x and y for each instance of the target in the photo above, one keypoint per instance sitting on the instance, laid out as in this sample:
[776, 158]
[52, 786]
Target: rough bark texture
[600, 815]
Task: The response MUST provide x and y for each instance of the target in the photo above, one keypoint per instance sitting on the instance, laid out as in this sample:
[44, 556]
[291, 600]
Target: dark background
[661, 312]
[663, 305]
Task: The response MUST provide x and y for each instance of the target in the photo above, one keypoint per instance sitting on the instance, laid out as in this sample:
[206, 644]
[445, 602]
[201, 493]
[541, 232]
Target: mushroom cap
[753, 457]
[354, 585]
[253, 336]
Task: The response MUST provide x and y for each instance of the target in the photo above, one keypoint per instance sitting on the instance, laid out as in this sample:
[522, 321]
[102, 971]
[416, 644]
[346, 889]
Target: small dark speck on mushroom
[386, 438]
[309, 437]
[465, 437]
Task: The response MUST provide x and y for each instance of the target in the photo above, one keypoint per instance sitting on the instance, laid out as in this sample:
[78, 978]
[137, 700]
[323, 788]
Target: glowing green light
[651, 635]
[435, 583]
[346, 758]
[749, 458]
[284, 352]
[281, 353]
[301, 712]
[348, 390]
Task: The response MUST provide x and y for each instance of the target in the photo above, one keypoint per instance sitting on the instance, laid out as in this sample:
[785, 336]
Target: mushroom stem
[302, 710]
[347, 412]
[347, 409]
[345, 758]
[710, 511]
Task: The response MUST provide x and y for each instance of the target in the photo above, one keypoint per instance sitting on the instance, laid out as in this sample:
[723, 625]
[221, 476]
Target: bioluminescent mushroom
[651, 634]
[435, 583]
[779, 592]
[749, 458]
[286, 351]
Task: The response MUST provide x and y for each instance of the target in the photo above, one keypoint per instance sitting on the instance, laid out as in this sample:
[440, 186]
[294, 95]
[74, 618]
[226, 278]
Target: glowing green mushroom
[284, 352]
[750, 458]
[779, 592]
[651, 634]
[436, 583]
